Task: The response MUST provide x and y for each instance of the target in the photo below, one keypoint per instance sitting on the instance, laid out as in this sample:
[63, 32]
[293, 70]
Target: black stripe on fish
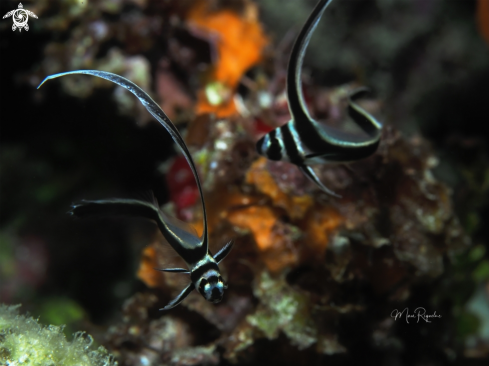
[198, 272]
[291, 145]
[273, 148]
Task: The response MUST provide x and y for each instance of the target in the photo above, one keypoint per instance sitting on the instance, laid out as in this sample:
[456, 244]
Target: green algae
[23, 341]
[283, 309]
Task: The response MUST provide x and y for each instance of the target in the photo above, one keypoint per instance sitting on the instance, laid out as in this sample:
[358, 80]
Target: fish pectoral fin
[174, 270]
[177, 300]
[309, 172]
[220, 255]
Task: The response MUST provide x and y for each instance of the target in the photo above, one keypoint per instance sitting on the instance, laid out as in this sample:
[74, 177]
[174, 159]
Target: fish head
[211, 286]
[270, 146]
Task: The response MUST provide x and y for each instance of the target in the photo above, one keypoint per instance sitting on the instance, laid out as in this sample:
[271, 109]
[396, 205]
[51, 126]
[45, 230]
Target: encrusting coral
[304, 252]
[23, 341]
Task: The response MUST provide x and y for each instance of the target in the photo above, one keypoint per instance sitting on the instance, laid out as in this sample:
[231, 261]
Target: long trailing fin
[348, 144]
[306, 126]
[309, 172]
[221, 254]
[297, 106]
[174, 270]
[155, 110]
[177, 300]
[179, 239]
[116, 206]
[362, 118]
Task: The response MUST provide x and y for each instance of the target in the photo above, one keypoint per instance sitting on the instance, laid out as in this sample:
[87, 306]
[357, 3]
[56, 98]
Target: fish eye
[264, 144]
[270, 146]
[224, 284]
[203, 283]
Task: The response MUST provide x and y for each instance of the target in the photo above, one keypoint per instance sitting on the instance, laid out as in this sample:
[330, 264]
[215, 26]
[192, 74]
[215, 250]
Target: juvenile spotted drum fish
[203, 267]
[303, 141]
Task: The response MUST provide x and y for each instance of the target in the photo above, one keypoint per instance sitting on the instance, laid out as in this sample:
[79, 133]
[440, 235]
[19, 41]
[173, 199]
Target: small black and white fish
[202, 265]
[303, 141]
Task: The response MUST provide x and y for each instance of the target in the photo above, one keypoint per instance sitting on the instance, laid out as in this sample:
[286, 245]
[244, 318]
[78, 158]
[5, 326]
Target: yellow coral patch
[239, 41]
[260, 177]
[225, 109]
[146, 272]
[263, 223]
[260, 220]
[320, 224]
[219, 203]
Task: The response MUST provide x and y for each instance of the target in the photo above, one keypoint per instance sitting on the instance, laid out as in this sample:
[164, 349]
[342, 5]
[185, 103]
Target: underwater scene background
[313, 279]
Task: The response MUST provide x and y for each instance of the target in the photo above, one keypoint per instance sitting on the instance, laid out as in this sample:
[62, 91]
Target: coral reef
[312, 279]
[391, 230]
